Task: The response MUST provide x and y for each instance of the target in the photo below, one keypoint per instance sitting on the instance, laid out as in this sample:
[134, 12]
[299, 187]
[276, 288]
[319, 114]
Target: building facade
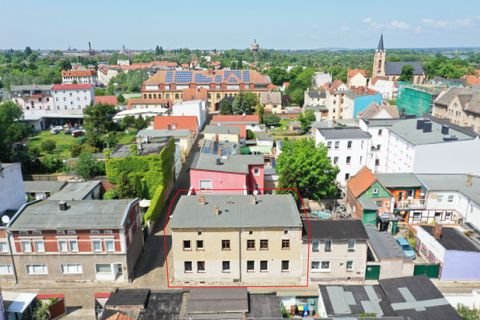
[72, 96]
[79, 77]
[12, 196]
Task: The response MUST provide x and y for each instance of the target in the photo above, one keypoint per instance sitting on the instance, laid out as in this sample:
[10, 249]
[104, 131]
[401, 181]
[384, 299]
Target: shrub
[48, 146]
[51, 163]
[271, 120]
[250, 134]
[156, 205]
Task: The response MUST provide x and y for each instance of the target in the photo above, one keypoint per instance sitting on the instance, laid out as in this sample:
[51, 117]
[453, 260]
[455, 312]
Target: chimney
[219, 152]
[469, 180]
[202, 200]
[420, 123]
[437, 231]
[427, 126]
[216, 210]
[62, 205]
[445, 129]
[254, 200]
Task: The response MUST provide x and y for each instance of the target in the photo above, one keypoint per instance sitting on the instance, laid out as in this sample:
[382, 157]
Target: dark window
[200, 266]
[285, 244]
[250, 265]
[188, 266]
[349, 144]
[328, 245]
[348, 160]
[187, 245]
[250, 244]
[225, 244]
[264, 244]
[225, 266]
[285, 265]
[263, 265]
[199, 244]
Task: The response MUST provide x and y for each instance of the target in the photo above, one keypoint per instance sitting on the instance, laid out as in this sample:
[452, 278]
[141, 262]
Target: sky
[225, 24]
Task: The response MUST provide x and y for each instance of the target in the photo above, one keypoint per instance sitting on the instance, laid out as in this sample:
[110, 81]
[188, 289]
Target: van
[407, 249]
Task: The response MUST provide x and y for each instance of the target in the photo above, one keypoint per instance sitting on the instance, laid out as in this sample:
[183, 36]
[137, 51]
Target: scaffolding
[415, 100]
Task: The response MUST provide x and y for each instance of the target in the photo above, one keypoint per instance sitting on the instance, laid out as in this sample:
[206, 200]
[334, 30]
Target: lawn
[126, 138]
[63, 142]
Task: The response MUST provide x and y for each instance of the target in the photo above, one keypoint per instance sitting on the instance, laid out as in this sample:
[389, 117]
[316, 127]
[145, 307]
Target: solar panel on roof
[218, 78]
[169, 76]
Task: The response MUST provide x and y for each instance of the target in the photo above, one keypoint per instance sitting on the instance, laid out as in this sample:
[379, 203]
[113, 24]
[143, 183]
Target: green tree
[121, 98]
[12, 129]
[98, 121]
[406, 73]
[306, 168]
[157, 50]
[244, 103]
[51, 163]
[48, 145]
[88, 167]
[226, 106]
[28, 51]
[41, 311]
[306, 118]
[130, 186]
[299, 84]
[278, 75]
[467, 313]
[271, 120]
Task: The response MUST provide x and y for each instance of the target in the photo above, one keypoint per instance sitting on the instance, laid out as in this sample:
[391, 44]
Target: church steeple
[380, 44]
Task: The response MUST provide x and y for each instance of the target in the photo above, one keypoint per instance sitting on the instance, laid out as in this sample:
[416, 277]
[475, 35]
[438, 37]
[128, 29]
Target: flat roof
[80, 215]
[337, 229]
[453, 239]
[397, 180]
[264, 306]
[380, 122]
[236, 211]
[163, 133]
[164, 305]
[43, 186]
[384, 244]
[343, 133]
[75, 190]
[17, 302]
[467, 185]
[225, 129]
[128, 297]
[215, 301]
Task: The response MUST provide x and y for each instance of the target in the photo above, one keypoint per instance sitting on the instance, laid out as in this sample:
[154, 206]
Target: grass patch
[63, 142]
[127, 138]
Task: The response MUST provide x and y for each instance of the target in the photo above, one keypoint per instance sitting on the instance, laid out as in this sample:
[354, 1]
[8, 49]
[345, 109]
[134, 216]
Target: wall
[467, 270]
[379, 141]
[193, 108]
[222, 137]
[220, 180]
[256, 180]
[401, 155]
[73, 99]
[394, 268]
[12, 194]
[362, 102]
[414, 101]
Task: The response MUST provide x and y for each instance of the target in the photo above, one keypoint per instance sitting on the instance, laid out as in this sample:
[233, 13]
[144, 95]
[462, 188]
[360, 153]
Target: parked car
[407, 249]
[54, 131]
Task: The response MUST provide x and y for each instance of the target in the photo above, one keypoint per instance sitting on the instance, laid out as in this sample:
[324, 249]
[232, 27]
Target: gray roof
[367, 203]
[222, 129]
[317, 94]
[336, 229]
[75, 190]
[395, 68]
[343, 133]
[380, 46]
[80, 215]
[384, 244]
[395, 180]
[453, 239]
[453, 182]
[264, 306]
[236, 211]
[380, 122]
[32, 87]
[263, 136]
[407, 130]
[163, 133]
[43, 186]
[271, 98]
[316, 108]
[468, 97]
[204, 301]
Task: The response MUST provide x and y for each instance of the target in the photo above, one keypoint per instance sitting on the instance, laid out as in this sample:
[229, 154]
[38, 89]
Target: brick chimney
[437, 231]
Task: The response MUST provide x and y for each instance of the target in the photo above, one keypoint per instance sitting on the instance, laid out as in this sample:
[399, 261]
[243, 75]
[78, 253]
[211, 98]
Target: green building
[415, 100]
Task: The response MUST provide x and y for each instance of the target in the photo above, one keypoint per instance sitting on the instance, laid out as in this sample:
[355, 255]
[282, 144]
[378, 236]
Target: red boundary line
[227, 286]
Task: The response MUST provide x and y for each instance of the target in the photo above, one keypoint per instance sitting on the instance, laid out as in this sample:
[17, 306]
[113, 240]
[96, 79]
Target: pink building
[33, 97]
[219, 167]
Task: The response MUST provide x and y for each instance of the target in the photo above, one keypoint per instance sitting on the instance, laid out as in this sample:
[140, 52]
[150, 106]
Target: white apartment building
[12, 195]
[387, 88]
[348, 148]
[72, 96]
[195, 108]
[79, 77]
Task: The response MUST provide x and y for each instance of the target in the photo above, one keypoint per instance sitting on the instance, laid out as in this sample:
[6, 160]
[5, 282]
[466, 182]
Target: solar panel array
[169, 76]
[200, 78]
[246, 76]
[183, 77]
[218, 79]
[229, 76]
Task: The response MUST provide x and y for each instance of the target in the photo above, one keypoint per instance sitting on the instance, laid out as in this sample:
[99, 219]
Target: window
[347, 176]
[205, 184]
[351, 245]
[187, 245]
[250, 266]
[450, 198]
[348, 160]
[285, 244]
[375, 190]
[62, 246]
[103, 268]
[329, 144]
[109, 245]
[337, 144]
[97, 245]
[377, 162]
[225, 244]
[264, 244]
[225, 266]
[37, 269]
[26, 246]
[349, 265]
[199, 244]
[250, 244]
[316, 266]
[349, 144]
[187, 266]
[315, 246]
[263, 265]
[73, 245]
[325, 266]
[285, 265]
[328, 245]
[71, 268]
[39, 246]
[6, 269]
[440, 198]
[200, 266]
[335, 160]
[380, 132]
[448, 215]
[378, 147]
[4, 247]
[256, 172]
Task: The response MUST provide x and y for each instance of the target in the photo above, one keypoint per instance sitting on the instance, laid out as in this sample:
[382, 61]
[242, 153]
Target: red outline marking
[227, 286]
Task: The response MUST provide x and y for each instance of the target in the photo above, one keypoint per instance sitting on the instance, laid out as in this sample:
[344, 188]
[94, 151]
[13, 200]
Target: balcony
[410, 204]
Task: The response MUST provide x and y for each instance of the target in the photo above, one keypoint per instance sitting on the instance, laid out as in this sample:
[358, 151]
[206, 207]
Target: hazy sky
[280, 24]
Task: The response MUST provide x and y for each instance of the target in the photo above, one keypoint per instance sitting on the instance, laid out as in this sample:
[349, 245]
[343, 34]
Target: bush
[88, 167]
[271, 120]
[250, 134]
[51, 163]
[156, 205]
[110, 194]
[48, 146]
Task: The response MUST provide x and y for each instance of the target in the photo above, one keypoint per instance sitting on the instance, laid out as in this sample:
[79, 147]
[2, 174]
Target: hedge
[156, 205]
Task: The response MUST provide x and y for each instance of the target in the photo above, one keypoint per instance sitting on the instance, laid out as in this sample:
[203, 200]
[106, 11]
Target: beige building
[272, 102]
[461, 106]
[333, 103]
[357, 78]
[338, 250]
[237, 240]
[222, 133]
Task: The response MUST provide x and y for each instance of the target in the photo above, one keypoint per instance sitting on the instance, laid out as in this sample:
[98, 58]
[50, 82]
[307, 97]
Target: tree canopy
[244, 102]
[88, 167]
[407, 73]
[306, 118]
[12, 129]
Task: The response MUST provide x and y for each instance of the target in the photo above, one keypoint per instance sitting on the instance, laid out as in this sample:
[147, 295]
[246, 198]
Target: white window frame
[42, 246]
[8, 268]
[25, 244]
[4, 247]
[43, 266]
[93, 246]
[375, 190]
[351, 248]
[73, 245]
[60, 246]
[106, 264]
[315, 266]
[315, 246]
[185, 269]
[322, 269]
[107, 241]
[253, 266]
[281, 266]
[329, 247]
[78, 265]
[207, 182]
[204, 266]
[263, 270]
[229, 266]
[352, 266]
[256, 172]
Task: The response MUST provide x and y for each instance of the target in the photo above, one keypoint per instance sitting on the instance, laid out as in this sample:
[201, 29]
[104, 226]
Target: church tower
[379, 60]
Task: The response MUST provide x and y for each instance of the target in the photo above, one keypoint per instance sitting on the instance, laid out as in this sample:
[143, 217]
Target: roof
[80, 215]
[176, 122]
[271, 98]
[75, 190]
[79, 73]
[143, 101]
[66, 87]
[380, 122]
[380, 46]
[384, 244]
[367, 203]
[453, 239]
[407, 130]
[144, 65]
[264, 306]
[222, 129]
[236, 211]
[43, 186]
[472, 80]
[353, 72]
[395, 68]
[374, 109]
[399, 180]
[118, 316]
[109, 100]
[469, 99]
[340, 133]
[128, 297]
[31, 87]
[316, 94]
[17, 302]
[361, 181]
[181, 133]
[337, 229]
[190, 94]
[453, 182]
[163, 305]
[236, 119]
[362, 91]
[216, 301]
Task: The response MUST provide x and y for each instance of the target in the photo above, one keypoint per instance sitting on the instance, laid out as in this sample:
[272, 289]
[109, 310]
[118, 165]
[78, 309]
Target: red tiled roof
[58, 87]
[78, 73]
[133, 101]
[176, 122]
[353, 72]
[119, 316]
[362, 91]
[145, 65]
[361, 182]
[472, 80]
[110, 100]
[252, 118]
[195, 94]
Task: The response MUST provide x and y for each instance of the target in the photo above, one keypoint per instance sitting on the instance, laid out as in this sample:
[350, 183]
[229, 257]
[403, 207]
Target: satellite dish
[5, 219]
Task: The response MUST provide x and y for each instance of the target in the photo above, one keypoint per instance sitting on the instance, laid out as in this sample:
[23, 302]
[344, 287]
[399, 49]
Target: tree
[157, 50]
[306, 168]
[299, 84]
[48, 145]
[226, 106]
[12, 129]
[130, 186]
[306, 118]
[98, 121]
[41, 311]
[407, 73]
[121, 98]
[51, 163]
[467, 313]
[278, 76]
[88, 167]
[244, 103]
[271, 120]
[28, 51]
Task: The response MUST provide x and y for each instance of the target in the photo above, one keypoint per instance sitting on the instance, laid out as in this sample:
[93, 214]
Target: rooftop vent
[427, 126]
[420, 123]
[445, 129]
[216, 210]
[202, 200]
[450, 138]
[62, 205]
[254, 200]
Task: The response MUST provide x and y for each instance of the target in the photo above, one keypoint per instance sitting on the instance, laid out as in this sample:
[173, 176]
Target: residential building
[387, 88]
[141, 103]
[362, 99]
[72, 96]
[448, 246]
[415, 100]
[460, 106]
[89, 190]
[176, 123]
[339, 102]
[220, 168]
[196, 108]
[183, 138]
[32, 97]
[219, 83]
[237, 239]
[272, 101]
[471, 80]
[12, 196]
[222, 133]
[357, 78]
[440, 82]
[321, 78]
[40, 190]
[107, 100]
[75, 240]
[316, 100]
[379, 111]
[393, 70]
[79, 77]
[195, 94]
[244, 122]
[398, 298]
[367, 197]
[338, 250]
[348, 148]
